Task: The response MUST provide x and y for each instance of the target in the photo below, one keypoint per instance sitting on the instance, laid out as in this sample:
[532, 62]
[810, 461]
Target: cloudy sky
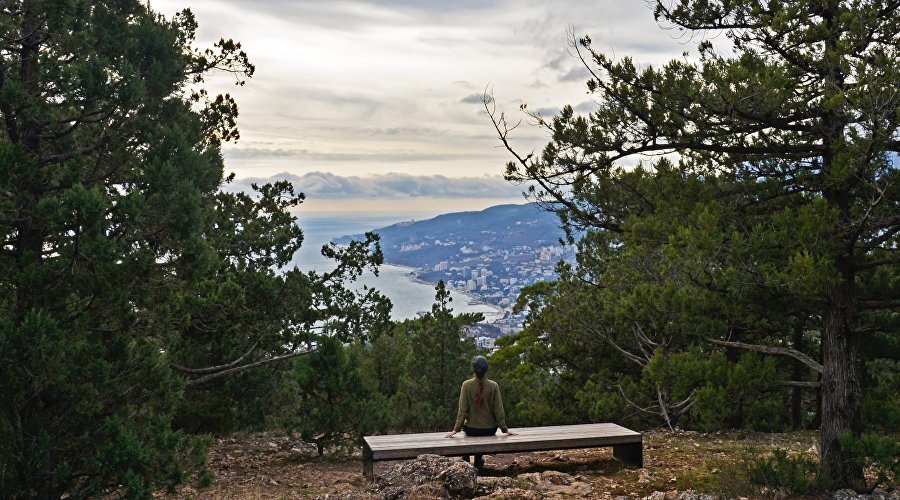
[376, 104]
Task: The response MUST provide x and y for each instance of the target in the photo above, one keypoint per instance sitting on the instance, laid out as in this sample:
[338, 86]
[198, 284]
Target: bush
[793, 475]
[879, 454]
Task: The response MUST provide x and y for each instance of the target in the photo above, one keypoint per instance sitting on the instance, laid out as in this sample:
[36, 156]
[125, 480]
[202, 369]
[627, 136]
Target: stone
[643, 476]
[430, 476]
[555, 484]
[877, 494]
[513, 494]
[488, 485]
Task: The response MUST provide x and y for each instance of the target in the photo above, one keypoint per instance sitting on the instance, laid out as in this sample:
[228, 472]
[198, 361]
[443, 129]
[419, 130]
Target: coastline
[412, 275]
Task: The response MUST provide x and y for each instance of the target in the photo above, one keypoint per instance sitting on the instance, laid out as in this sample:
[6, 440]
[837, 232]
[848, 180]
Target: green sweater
[484, 416]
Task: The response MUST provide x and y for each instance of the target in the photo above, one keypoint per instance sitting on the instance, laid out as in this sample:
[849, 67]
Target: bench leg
[368, 464]
[632, 454]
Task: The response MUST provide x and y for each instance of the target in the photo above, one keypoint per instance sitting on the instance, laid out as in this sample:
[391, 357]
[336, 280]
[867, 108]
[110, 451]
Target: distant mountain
[462, 236]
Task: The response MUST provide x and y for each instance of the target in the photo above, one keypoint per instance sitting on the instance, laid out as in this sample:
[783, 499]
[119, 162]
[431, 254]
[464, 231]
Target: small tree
[331, 400]
[438, 363]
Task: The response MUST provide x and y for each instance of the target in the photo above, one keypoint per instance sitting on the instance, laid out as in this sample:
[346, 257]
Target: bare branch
[799, 383]
[782, 351]
[202, 380]
[629, 356]
[662, 408]
[212, 369]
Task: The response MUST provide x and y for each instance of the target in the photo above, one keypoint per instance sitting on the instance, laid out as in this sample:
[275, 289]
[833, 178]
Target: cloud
[325, 185]
[585, 107]
[476, 98]
[548, 111]
[577, 74]
[368, 156]
[363, 87]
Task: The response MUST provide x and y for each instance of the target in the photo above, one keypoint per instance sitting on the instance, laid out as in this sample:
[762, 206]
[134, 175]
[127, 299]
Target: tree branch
[211, 369]
[804, 384]
[782, 351]
[879, 304]
[206, 378]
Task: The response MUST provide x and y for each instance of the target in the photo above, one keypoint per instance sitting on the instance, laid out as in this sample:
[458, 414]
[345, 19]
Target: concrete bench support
[631, 454]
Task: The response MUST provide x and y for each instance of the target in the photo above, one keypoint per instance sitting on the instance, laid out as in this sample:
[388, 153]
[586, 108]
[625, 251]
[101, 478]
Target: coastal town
[496, 276]
[489, 256]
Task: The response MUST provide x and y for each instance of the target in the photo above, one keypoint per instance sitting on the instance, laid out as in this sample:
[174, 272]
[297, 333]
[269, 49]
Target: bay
[409, 297]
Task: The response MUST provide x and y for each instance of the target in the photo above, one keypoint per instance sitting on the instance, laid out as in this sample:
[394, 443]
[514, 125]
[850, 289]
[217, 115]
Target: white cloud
[356, 88]
[392, 186]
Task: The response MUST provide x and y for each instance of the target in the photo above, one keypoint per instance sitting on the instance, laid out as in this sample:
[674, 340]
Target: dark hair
[479, 366]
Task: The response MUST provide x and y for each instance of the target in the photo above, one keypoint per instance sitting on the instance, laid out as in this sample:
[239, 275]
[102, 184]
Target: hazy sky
[376, 105]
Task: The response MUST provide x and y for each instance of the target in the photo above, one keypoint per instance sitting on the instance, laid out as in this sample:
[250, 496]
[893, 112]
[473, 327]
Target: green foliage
[437, 362]
[54, 400]
[109, 167]
[532, 394]
[793, 475]
[127, 276]
[327, 398]
[878, 453]
[746, 195]
[881, 403]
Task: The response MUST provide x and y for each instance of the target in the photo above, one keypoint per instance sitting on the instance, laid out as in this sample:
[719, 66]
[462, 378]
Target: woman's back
[480, 405]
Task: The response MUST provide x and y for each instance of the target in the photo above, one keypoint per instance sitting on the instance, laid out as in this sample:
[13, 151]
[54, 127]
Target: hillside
[677, 465]
[460, 236]
[489, 254]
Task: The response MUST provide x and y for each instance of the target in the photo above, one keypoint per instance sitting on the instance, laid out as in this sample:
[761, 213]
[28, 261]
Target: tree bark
[840, 389]
[797, 374]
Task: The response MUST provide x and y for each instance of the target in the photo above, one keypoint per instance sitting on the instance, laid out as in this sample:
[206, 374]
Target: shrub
[793, 475]
[878, 453]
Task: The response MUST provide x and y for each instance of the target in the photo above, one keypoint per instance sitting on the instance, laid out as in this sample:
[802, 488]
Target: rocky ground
[677, 465]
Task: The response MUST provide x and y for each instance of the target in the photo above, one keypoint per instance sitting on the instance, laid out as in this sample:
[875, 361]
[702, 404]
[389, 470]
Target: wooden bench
[626, 444]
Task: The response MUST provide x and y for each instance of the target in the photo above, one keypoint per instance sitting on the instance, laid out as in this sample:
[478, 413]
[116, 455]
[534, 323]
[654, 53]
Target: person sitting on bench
[480, 407]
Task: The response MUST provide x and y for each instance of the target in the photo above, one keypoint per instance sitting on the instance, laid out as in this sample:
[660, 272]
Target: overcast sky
[376, 104]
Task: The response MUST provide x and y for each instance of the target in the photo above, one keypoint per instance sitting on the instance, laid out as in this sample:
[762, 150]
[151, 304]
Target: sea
[408, 296]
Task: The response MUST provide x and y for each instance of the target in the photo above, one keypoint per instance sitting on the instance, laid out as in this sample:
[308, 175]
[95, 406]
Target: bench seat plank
[625, 442]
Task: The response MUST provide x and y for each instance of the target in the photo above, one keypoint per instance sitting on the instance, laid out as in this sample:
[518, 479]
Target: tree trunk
[797, 392]
[841, 392]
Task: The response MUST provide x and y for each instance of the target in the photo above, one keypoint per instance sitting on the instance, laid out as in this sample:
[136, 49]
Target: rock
[643, 476]
[693, 495]
[532, 477]
[513, 494]
[678, 495]
[553, 484]
[488, 485]
[459, 478]
[877, 494]
[557, 478]
[427, 476]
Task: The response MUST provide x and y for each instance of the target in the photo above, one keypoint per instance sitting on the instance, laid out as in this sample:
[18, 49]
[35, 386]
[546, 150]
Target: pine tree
[123, 268]
[439, 361]
[793, 129]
